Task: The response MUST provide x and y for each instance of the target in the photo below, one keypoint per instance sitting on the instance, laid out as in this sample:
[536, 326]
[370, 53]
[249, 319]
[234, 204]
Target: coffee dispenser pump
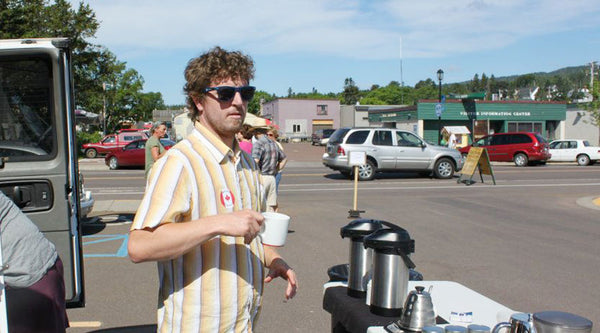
[392, 247]
[360, 257]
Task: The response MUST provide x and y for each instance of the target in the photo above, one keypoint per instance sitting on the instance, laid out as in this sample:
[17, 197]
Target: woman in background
[244, 137]
[154, 148]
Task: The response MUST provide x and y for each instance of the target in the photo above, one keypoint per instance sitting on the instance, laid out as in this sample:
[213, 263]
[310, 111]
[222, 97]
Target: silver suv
[389, 149]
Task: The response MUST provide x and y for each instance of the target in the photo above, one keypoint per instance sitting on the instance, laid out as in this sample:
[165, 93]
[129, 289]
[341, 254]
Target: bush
[85, 137]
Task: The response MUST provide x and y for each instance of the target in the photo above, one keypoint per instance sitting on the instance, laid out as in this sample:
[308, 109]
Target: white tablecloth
[451, 297]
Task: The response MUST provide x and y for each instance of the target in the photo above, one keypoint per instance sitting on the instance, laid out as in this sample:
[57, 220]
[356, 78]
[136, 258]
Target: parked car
[132, 155]
[113, 142]
[86, 201]
[321, 137]
[522, 148]
[570, 150]
[389, 150]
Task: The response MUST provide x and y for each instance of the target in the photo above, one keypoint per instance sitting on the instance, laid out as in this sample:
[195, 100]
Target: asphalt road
[530, 242]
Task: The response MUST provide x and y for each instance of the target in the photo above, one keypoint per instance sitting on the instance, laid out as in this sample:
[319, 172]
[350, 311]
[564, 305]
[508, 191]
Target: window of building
[525, 127]
[321, 110]
[296, 128]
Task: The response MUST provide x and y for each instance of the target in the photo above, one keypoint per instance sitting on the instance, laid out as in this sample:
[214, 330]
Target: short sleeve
[168, 194]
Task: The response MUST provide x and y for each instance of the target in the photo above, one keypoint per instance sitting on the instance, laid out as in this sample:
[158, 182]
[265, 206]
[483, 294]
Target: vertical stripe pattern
[217, 286]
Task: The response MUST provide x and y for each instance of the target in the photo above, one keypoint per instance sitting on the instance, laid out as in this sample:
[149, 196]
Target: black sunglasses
[227, 93]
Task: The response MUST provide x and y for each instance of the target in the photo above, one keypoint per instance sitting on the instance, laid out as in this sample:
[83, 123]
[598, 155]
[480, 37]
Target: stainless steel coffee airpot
[360, 257]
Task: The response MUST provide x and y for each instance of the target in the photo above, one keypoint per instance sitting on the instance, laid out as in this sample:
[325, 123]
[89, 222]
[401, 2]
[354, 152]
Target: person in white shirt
[452, 141]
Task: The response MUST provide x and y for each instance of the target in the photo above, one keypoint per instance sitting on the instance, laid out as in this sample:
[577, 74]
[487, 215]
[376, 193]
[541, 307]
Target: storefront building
[480, 117]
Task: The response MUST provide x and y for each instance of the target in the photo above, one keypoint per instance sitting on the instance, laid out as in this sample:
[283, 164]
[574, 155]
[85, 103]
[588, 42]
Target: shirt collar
[217, 148]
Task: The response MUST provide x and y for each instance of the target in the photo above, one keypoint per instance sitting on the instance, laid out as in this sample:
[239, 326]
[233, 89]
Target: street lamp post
[104, 107]
[440, 75]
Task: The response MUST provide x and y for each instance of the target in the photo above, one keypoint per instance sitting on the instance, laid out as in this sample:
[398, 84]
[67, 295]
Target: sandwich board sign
[478, 159]
[355, 160]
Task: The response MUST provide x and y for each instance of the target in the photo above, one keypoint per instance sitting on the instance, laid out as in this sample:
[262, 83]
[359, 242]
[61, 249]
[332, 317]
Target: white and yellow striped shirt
[216, 287]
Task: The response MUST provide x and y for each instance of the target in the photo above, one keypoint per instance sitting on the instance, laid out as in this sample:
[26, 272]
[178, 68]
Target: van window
[26, 109]
[519, 138]
[540, 138]
[485, 141]
[327, 132]
[358, 137]
[500, 140]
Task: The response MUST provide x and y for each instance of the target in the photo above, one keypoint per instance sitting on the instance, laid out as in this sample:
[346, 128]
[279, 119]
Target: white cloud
[353, 29]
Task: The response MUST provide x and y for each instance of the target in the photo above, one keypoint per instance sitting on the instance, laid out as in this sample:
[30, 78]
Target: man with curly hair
[200, 214]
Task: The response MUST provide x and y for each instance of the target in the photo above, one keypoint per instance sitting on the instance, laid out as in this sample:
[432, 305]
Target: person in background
[33, 274]
[244, 137]
[273, 134]
[154, 148]
[269, 157]
[452, 141]
[200, 215]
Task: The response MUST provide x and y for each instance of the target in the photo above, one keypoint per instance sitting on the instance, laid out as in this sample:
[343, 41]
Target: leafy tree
[92, 64]
[594, 106]
[484, 84]
[259, 97]
[351, 93]
[524, 81]
[475, 84]
[388, 95]
[426, 83]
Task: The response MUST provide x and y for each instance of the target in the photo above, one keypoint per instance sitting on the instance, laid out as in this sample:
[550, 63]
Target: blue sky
[306, 44]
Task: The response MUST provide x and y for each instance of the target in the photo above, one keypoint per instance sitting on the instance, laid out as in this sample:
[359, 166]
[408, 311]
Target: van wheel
[91, 153]
[113, 163]
[583, 160]
[443, 169]
[366, 171]
[521, 160]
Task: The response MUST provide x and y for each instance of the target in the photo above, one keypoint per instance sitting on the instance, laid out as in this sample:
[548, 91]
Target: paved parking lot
[527, 243]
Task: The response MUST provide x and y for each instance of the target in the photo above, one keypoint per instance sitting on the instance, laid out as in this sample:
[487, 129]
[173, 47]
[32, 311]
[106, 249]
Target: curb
[103, 207]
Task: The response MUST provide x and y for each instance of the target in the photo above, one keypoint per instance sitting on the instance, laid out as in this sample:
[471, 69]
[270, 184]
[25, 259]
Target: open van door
[38, 155]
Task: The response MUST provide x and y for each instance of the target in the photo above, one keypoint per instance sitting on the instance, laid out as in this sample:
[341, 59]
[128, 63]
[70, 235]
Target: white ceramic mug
[274, 229]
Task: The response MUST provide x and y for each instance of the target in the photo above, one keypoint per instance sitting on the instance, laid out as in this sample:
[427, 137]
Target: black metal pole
[440, 116]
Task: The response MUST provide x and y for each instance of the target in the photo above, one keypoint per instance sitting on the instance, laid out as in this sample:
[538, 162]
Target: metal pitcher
[518, 323]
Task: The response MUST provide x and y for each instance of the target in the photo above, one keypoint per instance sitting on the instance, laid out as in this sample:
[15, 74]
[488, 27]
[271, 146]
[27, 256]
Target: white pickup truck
[569, 150]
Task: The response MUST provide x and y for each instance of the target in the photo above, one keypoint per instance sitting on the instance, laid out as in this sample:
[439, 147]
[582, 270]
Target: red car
[113, 142]
[522, 148]
[132, 155]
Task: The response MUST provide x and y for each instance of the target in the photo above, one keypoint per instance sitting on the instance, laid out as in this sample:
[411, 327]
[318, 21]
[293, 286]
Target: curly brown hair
[215, 65]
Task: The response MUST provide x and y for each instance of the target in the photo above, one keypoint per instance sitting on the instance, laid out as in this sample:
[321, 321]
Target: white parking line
[85, 324]
[454, 187]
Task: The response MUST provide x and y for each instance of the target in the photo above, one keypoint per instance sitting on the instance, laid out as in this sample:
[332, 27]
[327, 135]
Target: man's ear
[198, 103]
